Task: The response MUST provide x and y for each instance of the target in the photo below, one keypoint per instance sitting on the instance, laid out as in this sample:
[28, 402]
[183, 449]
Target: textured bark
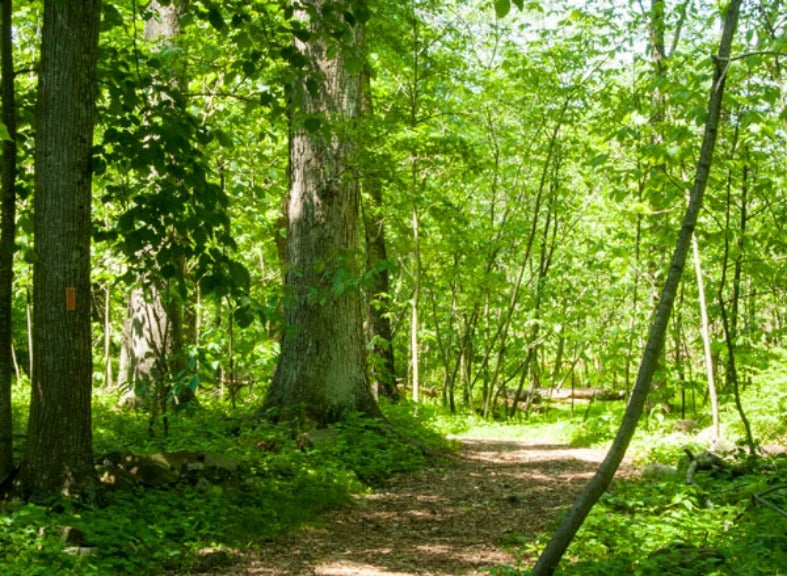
[384, 368]
[146, 342]
[166, 21]
[322, 366]
[549, 559]
[58, 456]
[154, 333]
[7, 238]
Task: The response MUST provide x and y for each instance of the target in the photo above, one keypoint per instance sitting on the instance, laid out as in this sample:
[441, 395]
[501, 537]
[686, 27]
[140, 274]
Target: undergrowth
[722, 524]
[641, 527]
[718, 526]
[281, 484]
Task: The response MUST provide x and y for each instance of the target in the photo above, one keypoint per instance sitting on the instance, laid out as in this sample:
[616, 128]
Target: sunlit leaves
[110, 16]
[503, 7]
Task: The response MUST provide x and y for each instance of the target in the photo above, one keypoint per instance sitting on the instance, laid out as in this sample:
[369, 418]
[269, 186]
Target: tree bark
[59, 454]
[147, 341]
[383, 368]
[322, 366]
[7, 239]
[156, 315]
[706, 343]
[549, 559]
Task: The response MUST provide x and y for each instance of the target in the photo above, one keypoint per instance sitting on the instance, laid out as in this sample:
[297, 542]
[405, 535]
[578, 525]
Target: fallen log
[569, 394]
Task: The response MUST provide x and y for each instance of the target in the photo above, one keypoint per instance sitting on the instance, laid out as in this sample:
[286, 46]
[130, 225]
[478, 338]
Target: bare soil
[461, 517]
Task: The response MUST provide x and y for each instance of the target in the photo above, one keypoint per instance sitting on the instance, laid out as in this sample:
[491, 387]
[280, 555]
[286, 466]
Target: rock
[71, 536]
[80, 550]
[115, 477]
[319, 439]
[212, 559]
[119, 470]
[153, 474]
[179, 459]
[657, 471]
[685, 426]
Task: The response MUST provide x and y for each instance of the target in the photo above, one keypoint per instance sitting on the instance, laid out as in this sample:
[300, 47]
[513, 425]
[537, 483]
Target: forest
[377, 288]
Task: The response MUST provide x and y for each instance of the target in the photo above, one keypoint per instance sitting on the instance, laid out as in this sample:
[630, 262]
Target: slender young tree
[378, 292]
[59, 454]
[571, 523]
[7, 237]
[322, 366]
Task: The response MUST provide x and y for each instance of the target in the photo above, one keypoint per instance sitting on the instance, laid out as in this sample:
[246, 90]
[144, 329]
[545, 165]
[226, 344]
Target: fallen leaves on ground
[457, 518]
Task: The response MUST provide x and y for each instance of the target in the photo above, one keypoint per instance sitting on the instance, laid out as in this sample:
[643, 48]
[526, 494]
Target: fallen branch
[759, 498]
[706, 460]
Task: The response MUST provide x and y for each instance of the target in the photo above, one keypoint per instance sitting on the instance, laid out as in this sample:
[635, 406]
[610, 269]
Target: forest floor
[458, 517]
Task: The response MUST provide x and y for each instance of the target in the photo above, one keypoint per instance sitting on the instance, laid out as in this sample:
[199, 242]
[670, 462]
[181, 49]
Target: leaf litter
[462, 516]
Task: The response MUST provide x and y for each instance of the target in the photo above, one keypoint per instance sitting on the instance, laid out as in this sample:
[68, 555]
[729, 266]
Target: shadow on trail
[442, 521]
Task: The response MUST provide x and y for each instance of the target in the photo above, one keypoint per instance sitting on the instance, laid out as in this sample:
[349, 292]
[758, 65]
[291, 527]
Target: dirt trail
[442, 521]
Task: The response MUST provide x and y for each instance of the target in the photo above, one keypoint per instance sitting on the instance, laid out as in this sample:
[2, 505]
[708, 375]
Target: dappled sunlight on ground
[442, 521]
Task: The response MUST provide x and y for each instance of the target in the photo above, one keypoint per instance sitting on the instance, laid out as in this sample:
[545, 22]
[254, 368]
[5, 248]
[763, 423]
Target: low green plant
[714, 527]
[281, 485]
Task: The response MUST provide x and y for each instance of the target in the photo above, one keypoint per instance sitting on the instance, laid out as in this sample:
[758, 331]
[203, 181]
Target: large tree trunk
[59, 453]
[549, 559]
[7, 238]
[322, 366]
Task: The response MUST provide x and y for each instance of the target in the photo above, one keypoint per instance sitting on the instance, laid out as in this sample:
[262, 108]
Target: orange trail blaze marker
[71, 300]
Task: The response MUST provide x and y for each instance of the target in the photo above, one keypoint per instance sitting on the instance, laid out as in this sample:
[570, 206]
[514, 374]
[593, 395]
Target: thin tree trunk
[572, 521]
[29, 327]
[634, 298]
[383, 369]
[414, 359]
[705, 333]
[108, 377]
[7, 239]
[727, 324]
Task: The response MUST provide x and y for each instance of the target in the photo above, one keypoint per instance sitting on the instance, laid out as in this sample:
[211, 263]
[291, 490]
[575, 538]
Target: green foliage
[280, 485]
[647, 528]
[651, 528]
[375, 449]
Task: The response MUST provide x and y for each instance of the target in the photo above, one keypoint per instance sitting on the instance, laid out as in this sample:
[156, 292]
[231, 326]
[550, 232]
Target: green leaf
[249, 67]
[311, 124]
[97, 165]
[224, 139]
[240, 275]
[216, 19]
[110, 17]
[502, 8]
[244, 316]
[207, 284]
[4, 134]
[25, 224]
